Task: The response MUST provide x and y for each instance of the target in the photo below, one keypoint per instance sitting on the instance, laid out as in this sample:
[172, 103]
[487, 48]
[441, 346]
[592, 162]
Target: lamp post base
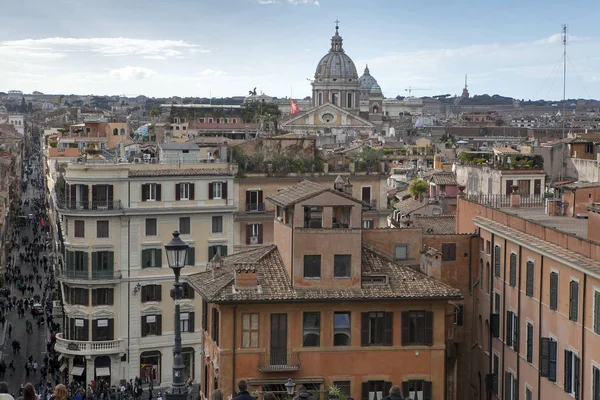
[176, 396]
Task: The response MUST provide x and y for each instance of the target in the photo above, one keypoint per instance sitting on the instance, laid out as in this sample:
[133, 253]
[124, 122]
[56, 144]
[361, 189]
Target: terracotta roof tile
[411, 205]
[443, 178]
[178, 172]
[403, 282]
[436, 224]
[305, 190]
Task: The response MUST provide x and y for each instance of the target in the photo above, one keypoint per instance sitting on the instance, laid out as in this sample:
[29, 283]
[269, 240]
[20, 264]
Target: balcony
[372, 203]
[82, 348]
[270, 362]
[255, 207]
[93, 275]
[89, 205]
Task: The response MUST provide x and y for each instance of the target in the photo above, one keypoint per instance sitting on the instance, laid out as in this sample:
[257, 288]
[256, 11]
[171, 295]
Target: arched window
[488, 277]
[122, 131]
[150, 364]
[115, 132]
[375, 109]
[481, 277]
[480, 332]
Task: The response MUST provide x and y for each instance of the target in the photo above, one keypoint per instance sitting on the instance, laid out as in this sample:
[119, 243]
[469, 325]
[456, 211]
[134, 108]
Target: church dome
[366, 80]
[376, 89]
[336, 65]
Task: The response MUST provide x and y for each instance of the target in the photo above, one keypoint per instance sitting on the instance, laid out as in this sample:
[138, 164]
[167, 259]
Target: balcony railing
[85, 347]
[277, 362]
[502, 201]
[372, 203]
[255, 207]
[89, 205]
[93, 275]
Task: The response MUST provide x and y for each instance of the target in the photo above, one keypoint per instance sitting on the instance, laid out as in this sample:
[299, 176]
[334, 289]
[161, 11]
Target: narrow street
[28, 284]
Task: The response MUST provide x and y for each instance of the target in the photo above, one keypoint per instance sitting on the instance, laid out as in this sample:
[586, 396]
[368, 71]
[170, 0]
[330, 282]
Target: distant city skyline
[225, 48]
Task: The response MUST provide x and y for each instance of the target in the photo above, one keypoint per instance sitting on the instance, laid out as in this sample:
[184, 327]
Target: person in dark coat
[395, 393]
[243, 393]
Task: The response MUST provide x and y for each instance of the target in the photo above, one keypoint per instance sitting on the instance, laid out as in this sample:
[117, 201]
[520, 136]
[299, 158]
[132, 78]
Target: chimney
[338, 184]
[245, 276]
[215, 265]
[348, 187]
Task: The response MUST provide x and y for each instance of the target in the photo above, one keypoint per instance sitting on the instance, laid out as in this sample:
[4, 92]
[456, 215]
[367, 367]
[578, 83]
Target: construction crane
[410, 89]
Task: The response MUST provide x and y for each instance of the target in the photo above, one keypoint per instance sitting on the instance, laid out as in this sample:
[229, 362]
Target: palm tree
[418, 188]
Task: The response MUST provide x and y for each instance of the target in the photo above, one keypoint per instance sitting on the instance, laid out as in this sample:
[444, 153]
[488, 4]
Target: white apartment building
[115, 281]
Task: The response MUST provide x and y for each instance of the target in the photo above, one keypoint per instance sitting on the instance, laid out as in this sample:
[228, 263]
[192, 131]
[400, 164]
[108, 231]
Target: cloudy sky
[226, 47]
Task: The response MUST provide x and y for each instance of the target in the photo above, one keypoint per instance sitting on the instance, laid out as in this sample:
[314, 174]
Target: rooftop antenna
[564, 116]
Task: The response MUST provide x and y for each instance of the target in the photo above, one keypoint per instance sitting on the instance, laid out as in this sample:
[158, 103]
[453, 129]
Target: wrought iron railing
[89, 205]
[93, 275]
[501, 200]
[255, 207]
[278, 362]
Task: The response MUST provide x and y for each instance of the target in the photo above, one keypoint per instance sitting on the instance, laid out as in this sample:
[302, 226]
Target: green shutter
[111, 261]
[94, 260]
[158, 256]
[191, 257]
[529, 279]
[223, 251]
[211, 252]
[144, 258]
[597, 312]
[553, 291]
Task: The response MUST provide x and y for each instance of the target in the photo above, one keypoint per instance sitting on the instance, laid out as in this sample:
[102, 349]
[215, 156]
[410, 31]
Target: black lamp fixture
[176, 251]
[290, 385]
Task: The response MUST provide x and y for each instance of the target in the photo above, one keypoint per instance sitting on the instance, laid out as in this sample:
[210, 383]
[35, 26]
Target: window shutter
[495, 325]
[529, 343]
[86, 196]
[223, 249]
[71, 189]
[260, 233]
[211, 191]
[509, 328]
[507, 388]
[158, 257]
[94, 297]
[364, 329]
[509, 183]
[191, 292]
[224, 190]
[596, 383]
[191, 256]
[576, 367]
[144, 294]
[405, 393]
[365, 390]
[552, 351]
[94, 330]
[248, 233]
[94, 193]
[247, 197]
[386, 388]
[568, 370]
[144, 325]
[516, 332]
[211, 252]
[110, 195]
[405, 326]
[144, 258]
[497, 261]
[111, 297]
[427, 390]
[513, 270]
[515, 386]
[159, 324]
[597, 312]
[553, 290]
[177, 191]
[158, 192]
[544, 356]
[429, 328]
[191, 320]
[574, 301]
[111, 329]
[86, 329]
[529, 279]
[192, 191]
[111, 260]
[145, 191]
[260, 197]
[460, 315]
[158, 292]
[388, 332]
[204, 315]
[86, 297]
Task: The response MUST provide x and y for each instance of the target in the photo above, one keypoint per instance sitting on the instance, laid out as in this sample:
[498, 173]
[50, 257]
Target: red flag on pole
[294, 107]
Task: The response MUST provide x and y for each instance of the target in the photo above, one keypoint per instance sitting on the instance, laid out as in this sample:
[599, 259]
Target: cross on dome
[337, 25]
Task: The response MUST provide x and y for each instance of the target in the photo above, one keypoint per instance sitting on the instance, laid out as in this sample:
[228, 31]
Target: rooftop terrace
[575, 226]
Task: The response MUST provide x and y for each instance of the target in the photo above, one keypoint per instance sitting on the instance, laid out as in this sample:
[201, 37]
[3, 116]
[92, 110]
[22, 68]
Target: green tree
[418, 188]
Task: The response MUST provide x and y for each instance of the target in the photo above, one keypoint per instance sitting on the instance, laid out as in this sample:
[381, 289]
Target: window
[151, 293]
[115, 132]
[311, 331]
[512, 330]
[495, 371]
[524, 186]
[344, 387]
[80, 296]
[254, 233]
[595, 383]
[152, 258]
[481, 245]
[528, 394]
[496, 303]
[597, 312]
[574, 301]
[510, 386]
[254, 201]
[529, 279]
[349, 100]
[548, 351]
[188, 291]
[185, 225]
[186, 321]
[417, 328]
[367, 224]
[481, 277]
[215, 326]
[401, 252]
[313, 217]
[554, 291]
[376, 328]
[489, 277]
[151, 192]
[366, 196]
[530, 340]
[79, 329]
[513, 270]
[342, 266]
[375, 390]
[320, 98]
[497, 256]
[217, 190]
[212, 250]
[334, 98]
[151, 227]
[101, 229]
[488, 247]
[417, 390]
[103, 329]
[217, 224]
[341, 329]
[459, 315]
[312, 266]
[448, 251]
[151, 325]
[204, 315]
[184, 191]
[589, 148]
[249, 331]
[79, 228]
[340, 217]
[572, 367]
[102, 297]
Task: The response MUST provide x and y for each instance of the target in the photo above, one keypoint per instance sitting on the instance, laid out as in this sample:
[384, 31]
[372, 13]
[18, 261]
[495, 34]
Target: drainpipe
[519, 314]
[491, 285]
[539, 386]
[471, 289]
[233, 352]
[581, 387]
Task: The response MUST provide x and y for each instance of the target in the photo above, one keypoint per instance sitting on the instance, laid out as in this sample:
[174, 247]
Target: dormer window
[313, 217]
[341, 217]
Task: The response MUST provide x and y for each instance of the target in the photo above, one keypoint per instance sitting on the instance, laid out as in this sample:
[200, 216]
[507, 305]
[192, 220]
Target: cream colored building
[115, 280]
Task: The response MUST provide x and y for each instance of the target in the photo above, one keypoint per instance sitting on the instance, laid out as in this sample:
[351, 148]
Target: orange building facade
[324, 308]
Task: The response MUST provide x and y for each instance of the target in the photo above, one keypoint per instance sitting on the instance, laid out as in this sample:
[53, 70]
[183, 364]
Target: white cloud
[211, 72]
[57, 47]
[132, 73]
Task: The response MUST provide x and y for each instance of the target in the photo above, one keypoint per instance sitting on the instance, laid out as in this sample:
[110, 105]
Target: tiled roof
[139, 173]
[411, 205]
[581, 185]
[594, 140]
[504, 150]
[302, 191]
[403, 281]
[436, 224]
[444, 178]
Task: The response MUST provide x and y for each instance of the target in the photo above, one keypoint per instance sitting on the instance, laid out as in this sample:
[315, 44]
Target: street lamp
[176, 251]
[290, 385]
